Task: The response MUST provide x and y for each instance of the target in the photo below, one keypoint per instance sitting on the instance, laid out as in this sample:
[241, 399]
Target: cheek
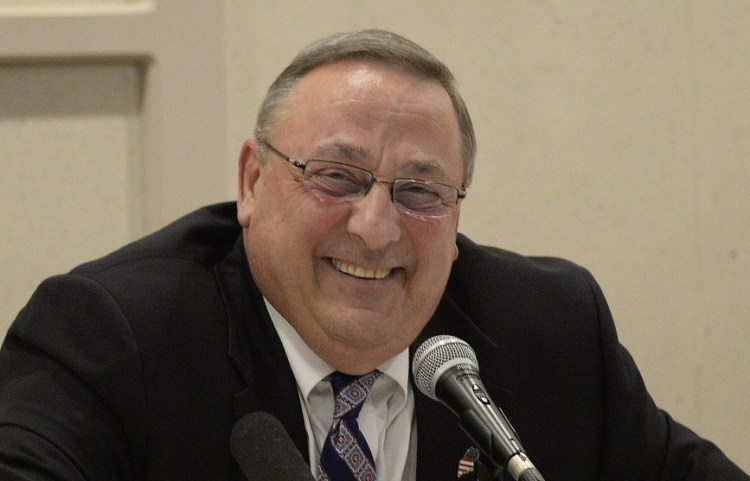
[294, 224]
[435, 247]
[280, 204]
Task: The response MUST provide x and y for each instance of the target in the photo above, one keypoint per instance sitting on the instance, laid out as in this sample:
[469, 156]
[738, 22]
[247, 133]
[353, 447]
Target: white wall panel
[69, 169]
[111, 125]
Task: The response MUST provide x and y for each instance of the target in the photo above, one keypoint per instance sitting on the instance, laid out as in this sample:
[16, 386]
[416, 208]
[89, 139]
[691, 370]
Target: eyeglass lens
[345, 182]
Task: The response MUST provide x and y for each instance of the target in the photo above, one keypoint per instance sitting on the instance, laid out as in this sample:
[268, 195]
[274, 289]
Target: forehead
[371, 105]
[369, 79]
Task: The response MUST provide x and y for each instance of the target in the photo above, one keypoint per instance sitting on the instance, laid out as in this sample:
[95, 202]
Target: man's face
[358, 280]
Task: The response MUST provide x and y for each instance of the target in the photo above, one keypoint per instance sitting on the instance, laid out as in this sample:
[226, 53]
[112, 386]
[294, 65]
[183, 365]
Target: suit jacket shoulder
[549, 354]
[136, 365]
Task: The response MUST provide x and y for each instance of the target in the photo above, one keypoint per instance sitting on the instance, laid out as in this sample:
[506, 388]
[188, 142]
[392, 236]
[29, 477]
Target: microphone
[264, 450]
[445, 369]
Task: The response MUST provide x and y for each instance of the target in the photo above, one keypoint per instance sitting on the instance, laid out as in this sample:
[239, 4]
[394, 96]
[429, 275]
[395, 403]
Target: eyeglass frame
[460, 192]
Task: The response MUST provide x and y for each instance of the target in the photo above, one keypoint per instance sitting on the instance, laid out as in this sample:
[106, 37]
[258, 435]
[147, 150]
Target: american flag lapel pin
[466, 463]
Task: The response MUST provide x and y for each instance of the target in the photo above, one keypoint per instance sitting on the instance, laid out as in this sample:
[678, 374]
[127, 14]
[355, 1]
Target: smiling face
[358, 280]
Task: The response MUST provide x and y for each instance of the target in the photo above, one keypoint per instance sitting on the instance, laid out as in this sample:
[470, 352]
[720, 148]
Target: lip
[360, 272]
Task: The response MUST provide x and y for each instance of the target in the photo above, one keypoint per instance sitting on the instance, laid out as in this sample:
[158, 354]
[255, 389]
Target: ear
[249, 172]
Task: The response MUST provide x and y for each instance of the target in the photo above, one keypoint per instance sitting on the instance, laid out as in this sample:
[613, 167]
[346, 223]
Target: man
[340, 256]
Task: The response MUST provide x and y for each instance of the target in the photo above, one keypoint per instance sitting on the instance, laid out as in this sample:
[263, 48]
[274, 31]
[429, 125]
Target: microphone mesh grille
[434, 353]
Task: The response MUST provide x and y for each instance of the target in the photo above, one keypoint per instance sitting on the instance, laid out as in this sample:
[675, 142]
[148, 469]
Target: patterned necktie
[345, 455]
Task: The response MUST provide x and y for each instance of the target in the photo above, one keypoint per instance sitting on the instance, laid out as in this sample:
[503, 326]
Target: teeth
[360, 272]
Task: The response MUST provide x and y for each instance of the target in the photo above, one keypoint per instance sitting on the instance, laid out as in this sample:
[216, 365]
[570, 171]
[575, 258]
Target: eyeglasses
[342, 182]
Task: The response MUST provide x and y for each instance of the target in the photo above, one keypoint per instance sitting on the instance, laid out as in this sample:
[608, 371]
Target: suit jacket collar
[441, 443]
[256, 351]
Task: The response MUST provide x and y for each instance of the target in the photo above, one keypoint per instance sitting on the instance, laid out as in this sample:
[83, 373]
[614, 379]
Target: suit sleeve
[70, 389]
[641, 440]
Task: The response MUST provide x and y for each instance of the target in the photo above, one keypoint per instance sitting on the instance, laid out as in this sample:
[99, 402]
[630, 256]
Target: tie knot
[350, 392]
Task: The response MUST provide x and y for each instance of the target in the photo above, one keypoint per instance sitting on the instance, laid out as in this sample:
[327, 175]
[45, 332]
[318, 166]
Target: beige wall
[614, 134]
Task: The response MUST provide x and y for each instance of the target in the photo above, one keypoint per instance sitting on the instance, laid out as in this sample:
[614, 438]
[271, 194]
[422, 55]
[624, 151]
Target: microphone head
[264, 450]
[435, 356]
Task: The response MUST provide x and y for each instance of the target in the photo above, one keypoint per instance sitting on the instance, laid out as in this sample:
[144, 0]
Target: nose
[375, 219]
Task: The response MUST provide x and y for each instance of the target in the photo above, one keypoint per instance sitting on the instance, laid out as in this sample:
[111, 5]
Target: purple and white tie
[346, 455]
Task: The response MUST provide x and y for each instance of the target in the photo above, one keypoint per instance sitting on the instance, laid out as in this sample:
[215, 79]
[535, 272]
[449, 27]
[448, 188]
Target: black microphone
[445, 368]
[264, 450]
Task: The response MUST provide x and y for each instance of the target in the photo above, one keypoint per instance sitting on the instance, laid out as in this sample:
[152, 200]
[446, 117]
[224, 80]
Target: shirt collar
[309, 369]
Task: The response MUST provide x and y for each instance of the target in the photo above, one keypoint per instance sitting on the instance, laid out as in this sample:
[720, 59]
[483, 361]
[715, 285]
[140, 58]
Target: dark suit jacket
[136, 366]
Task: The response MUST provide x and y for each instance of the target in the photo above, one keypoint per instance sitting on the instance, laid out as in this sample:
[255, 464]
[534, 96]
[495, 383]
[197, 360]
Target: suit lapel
[441, 442]
[257, 353]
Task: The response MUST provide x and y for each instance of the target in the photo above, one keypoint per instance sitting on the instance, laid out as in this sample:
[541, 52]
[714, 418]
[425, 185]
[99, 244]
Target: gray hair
[380, 45]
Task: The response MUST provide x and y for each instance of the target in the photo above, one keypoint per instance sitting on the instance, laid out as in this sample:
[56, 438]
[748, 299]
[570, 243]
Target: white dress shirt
[387, 417]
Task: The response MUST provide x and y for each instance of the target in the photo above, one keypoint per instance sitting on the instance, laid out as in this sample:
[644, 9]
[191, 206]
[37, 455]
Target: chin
[363, 331]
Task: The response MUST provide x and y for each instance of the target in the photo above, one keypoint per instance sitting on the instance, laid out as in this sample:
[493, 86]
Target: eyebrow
[426, 168]
[338, 150]
[351, 152]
